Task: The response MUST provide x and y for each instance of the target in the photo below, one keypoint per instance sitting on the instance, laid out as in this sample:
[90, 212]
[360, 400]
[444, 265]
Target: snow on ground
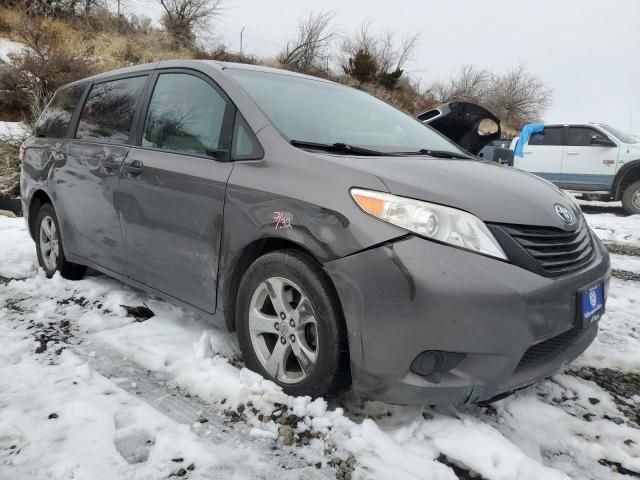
[11, 129]
[7, 47]
[625, 262]
[563, 427]
[611, 228]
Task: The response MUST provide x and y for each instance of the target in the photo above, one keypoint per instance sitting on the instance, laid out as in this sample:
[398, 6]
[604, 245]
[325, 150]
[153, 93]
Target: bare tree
[518, 97]
[470, 84]
[311, 46]
[184, 18]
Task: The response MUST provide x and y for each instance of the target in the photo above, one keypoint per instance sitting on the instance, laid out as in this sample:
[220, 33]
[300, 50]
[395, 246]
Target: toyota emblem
[564, 213]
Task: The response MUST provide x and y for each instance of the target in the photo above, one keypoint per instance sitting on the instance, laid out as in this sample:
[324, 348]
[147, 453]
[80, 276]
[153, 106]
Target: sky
[586, 51]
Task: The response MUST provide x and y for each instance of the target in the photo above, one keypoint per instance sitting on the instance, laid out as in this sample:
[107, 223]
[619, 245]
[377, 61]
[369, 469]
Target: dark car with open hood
[344, 241]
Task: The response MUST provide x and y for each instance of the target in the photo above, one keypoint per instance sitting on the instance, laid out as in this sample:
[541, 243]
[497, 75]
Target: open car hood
[464, 123]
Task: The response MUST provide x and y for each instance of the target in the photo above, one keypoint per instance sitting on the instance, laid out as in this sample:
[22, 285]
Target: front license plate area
[591, 303]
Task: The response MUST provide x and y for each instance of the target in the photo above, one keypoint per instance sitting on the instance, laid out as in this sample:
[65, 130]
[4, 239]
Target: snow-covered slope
[7, 46]
[12, 128]
[127, 391]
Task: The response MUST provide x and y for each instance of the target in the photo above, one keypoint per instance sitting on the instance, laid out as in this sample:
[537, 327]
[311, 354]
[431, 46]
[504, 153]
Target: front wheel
[631, 198]
[49, 246]
[290, 325]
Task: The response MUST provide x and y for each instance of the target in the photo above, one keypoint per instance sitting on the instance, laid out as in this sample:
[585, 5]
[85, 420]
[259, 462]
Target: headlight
[429, 220]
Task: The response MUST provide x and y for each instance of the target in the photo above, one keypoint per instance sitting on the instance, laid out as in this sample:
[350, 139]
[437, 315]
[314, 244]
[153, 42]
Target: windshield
[307, 110]
[624, 137]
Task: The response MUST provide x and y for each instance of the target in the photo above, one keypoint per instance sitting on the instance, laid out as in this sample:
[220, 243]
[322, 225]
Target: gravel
[624, 387]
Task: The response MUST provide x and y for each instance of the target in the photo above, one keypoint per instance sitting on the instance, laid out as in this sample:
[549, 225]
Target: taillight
[23, 152]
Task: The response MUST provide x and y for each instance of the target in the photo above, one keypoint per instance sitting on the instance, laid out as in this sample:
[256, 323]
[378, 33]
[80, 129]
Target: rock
[286, 432]
[593, 401]
[53, 415]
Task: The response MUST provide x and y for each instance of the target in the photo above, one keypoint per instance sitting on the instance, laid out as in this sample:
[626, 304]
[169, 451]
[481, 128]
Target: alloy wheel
[49, 243]
[283, 330]
[635, 200]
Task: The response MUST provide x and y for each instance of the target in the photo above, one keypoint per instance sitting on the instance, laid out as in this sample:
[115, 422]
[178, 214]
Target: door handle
[572, 152]
[133, 168]
[527, 152]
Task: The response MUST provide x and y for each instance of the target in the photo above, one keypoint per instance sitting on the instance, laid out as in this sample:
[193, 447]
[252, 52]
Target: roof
[188, 63]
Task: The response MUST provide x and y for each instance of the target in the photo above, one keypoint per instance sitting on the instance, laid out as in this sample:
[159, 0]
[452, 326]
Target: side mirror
[220, 155]
[602, 142]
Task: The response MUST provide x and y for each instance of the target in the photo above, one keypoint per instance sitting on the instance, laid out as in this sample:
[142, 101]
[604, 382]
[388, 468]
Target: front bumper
[414, 295]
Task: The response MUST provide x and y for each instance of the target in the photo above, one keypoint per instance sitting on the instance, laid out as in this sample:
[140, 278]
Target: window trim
[226, 133]
[71, 134]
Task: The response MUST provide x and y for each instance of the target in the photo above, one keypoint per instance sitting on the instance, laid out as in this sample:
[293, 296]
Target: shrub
[10, 163]
[48, 62]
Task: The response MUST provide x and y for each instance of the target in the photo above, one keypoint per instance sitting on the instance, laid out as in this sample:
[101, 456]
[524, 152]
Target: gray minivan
[345, 242]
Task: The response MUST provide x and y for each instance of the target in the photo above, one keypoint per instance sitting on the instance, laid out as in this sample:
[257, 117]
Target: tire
[318, 326]
[631, 198]
[47, 234]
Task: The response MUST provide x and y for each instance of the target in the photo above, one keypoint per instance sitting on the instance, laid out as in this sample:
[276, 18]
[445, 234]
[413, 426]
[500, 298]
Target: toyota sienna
[344, 241]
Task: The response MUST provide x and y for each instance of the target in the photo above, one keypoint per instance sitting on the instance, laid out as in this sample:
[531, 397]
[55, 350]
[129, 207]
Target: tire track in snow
[206, 421]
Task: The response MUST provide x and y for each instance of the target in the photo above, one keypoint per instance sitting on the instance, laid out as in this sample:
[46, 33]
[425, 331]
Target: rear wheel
[290, 325]
[49, 246]
[631, 198]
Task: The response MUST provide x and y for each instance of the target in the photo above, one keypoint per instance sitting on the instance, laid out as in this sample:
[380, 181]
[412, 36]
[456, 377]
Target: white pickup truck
[589, 158]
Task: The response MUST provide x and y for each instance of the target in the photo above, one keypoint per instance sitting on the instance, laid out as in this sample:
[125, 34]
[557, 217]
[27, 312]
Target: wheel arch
[628, 174]
[249, 254]
[38, 198]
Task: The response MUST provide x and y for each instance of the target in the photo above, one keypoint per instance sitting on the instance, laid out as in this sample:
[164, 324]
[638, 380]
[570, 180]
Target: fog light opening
[432, 361]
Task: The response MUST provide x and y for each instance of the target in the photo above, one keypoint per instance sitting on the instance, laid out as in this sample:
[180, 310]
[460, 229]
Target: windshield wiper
[340, 148]
[438, 154]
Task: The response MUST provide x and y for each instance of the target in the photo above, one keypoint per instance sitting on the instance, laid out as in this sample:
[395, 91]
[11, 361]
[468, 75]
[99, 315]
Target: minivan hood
[492, 192]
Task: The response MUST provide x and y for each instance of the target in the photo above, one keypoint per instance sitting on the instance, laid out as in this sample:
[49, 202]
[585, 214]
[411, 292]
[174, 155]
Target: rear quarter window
[54, 121]
[108, 112]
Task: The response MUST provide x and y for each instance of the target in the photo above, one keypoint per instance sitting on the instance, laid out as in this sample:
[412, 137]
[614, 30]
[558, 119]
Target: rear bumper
[414, 295]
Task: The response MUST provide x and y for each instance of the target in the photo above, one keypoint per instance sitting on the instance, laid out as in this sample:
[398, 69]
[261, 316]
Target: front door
[543, 154]
[586, 166]
[172, 189]
[88, 183]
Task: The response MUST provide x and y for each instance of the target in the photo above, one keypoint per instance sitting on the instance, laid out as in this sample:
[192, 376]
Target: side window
[55, 119]
[548, 136]
[109, 110]
[581, 136]
[245, 144]
[185, 115]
